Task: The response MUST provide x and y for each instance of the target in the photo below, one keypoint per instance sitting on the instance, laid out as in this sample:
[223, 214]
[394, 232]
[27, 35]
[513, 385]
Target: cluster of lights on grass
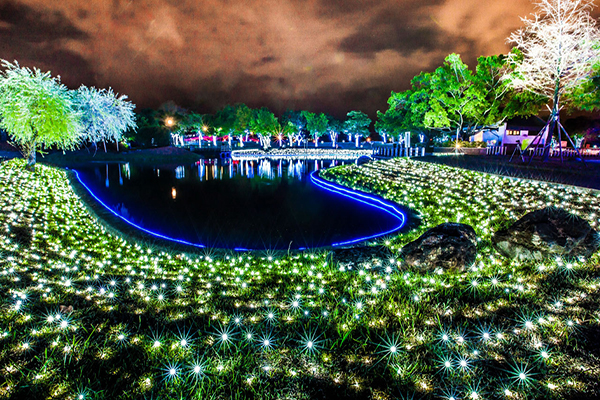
[76, 296]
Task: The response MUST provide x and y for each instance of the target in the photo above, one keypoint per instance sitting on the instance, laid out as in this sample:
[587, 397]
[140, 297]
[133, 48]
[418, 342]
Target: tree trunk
[31, 159]
[552, 121]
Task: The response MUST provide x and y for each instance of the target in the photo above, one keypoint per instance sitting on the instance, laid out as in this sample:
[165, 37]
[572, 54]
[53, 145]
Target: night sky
[322, 55]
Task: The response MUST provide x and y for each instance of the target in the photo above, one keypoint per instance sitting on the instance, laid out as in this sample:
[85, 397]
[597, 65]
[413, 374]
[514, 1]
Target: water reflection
[253, 204]
[263, 168]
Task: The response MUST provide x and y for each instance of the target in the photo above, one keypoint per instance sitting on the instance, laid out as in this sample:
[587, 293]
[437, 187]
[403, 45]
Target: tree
[455, 100]
[334, 128]
[224, 123]
[264, 124]
[403, 114]
[37, 111]
[587, 95]
[316, 124]
[151, 130]
[194, 123]
[285, 129]
[406, 110]
[105, 115]
[298, 121]
[559, 49]
[358, 124]
[243, 117]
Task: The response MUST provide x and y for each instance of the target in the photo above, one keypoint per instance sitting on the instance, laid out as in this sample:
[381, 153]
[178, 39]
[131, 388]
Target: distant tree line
[240, 122]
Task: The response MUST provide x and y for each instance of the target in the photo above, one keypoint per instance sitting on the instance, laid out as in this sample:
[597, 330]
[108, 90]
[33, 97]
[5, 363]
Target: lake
[240, 204]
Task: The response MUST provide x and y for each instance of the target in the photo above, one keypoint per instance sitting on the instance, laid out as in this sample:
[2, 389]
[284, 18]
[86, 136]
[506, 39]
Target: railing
[539, 151]
[569, 152]
[495, 151]
[394, 150]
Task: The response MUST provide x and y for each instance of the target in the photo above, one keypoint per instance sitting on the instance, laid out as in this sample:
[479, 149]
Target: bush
[462, 143]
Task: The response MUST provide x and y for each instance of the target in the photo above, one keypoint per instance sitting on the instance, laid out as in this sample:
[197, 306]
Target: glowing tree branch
[105, 115]
[557, 50]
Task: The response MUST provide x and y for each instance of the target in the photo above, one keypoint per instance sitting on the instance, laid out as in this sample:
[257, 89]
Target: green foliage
[224, 121]
[243, 118]
[454, 99]
[462, 143]
[264, 124]
[315, 123]
[586, 96]
[295, 117]
[37, 110]
[192, 123]
[357, 123]
[151, 130]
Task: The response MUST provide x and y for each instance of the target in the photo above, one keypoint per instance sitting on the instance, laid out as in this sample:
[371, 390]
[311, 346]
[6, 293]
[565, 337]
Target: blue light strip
[158, 235]
[326, 185]
[363, 198]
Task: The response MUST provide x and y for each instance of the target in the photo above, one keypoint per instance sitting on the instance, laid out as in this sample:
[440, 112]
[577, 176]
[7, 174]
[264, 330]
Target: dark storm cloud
[321, 55]
[23, 24]
[403, 29]
[36, 37]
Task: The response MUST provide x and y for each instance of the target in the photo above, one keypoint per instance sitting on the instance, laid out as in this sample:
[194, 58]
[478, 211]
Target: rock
[355, 257]
[363, 160]
[448, 246]
[548, 232]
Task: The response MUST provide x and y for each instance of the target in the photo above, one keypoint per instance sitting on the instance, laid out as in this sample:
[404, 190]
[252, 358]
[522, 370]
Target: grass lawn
[87, 314]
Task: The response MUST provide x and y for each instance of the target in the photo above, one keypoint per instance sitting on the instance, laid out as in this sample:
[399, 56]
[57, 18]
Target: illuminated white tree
[105, 115]
[557, 50]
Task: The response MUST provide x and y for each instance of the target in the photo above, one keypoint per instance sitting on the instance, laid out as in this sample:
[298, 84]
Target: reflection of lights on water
[201, 171]
[127, 170]
[173, 193]
[265, 168]
[180, 172]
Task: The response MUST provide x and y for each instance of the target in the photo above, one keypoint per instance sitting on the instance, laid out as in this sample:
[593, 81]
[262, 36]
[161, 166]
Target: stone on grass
[447, 246]
[548, 232]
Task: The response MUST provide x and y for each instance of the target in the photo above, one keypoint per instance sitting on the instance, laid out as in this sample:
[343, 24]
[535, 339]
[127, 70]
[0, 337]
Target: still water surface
[253, 204]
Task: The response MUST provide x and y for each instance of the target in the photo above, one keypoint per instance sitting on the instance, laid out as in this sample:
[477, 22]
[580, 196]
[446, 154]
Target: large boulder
[548, 232]
[447, 246]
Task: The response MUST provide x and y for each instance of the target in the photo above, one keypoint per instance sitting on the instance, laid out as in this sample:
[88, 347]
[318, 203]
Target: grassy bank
[88, 313]
[571, 171]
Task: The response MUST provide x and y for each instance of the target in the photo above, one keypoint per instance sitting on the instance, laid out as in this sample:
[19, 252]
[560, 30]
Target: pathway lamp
[169, 123]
